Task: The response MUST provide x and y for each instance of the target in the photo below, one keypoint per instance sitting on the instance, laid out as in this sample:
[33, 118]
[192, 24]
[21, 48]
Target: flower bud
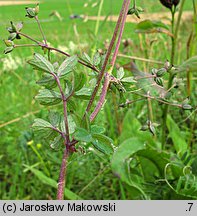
[154, 71]
[8, 49]
[186, 107]
[169, 3]
[131, 11]
[9, 43]
[144, 127]
[37, 9]
[159, 81]
[161, 72]
[30, 12]
[12, 36]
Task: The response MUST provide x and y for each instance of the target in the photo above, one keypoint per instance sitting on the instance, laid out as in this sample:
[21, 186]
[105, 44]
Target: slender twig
[131, 102]
[27, 36]
[40, 28]
[101, 74]
[159, 100]
[25, 45]
[19, 118]
[140, 59]
[150, 109]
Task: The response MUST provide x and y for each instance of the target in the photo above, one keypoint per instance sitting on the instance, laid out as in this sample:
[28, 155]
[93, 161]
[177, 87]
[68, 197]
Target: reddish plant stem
[102, 97]
[120, 34]
[101, 74]
[107, 76]
[64, 100]
[62, 181]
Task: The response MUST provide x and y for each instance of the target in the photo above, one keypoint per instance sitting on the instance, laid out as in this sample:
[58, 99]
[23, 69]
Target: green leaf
[41, 63]
[179, 142]
[48, 81]
[128, 80]
[187, 186]
[68, 88]
[96, 129]
[57, 142]
[48, 97]
[189, 66]
[54, 118]
[79, 81]
[158, 158]
[67, 66]
[82, 135]
[71, 124]
[84, 93]
[148, 26]
[102, 143]
[85, 57]
[8, 49]
[121, 156]
[120, 73]
[51, 182]
[96, 59]
[41, 124]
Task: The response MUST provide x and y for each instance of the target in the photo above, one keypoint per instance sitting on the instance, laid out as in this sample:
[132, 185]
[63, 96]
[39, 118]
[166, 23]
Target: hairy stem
[64, 99]
[120, 34]
[62, 181]
[102, 97]
[107, 76]
[101, 74]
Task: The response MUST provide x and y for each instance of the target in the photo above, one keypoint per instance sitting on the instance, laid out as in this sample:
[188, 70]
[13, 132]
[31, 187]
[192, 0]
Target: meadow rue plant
[62, 83]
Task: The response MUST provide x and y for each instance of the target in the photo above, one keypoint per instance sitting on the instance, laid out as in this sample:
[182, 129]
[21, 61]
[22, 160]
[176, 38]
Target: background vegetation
[90, 174]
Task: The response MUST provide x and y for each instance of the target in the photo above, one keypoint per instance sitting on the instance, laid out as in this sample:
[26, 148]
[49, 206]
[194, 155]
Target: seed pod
[19, 26]
[154, 71]
[131, 11]
[186, 107]
[152, 129]
[167, 65]
[37, 9]
[12, 28]
[144, 127]
[12, 36]
[9, 43]
[159, 81]
[8, 49]
[169, 3]
[161, 72]
[30, 12]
